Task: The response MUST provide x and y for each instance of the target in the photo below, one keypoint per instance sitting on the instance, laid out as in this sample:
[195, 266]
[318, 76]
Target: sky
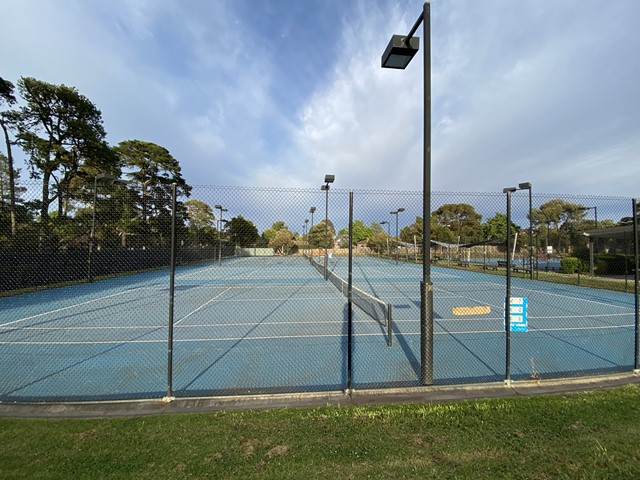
[278, 93]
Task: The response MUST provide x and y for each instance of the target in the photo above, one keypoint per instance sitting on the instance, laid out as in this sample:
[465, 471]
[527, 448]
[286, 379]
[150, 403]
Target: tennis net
[369, 304]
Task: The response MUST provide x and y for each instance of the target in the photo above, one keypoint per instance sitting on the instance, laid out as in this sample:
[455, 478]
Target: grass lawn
[584, 435]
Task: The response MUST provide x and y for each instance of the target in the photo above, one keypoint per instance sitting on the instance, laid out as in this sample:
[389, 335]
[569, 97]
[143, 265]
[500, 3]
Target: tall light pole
[507, 301]
[593, 240]
[527, 186]
[398, 54]
[595, 213]
[222, 210]
[312, 210]
[306, 232]
[92, 238]
[396, 212]
[384, 222]
[327, 180]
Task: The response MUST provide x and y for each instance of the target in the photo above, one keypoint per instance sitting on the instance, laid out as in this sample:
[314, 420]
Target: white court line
[71, 306]
[186, 340]
[287, 337]
[202, 306]
[576, 298]
[241, 287]
[541, 330]
[285, 323]
[202, 325]
[271, 299]
[603, 315]
[121, 327]
[562, 329]
[537, 318]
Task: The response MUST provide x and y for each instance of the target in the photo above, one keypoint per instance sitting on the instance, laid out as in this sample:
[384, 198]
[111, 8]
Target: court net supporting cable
[369, 304]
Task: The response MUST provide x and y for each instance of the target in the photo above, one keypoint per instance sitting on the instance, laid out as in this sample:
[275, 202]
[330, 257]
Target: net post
[389, 325]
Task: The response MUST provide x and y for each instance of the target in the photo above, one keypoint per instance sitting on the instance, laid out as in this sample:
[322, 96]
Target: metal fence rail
[95, 306]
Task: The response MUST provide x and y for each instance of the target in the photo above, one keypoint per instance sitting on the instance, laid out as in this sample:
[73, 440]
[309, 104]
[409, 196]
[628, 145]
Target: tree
[379, 243]
[282, 242]
[360, 232]
[8, 99]
[413, 231]
[270, 233]
[242, 232]
[321, 238]
[461, 219]
[200, 220]
[559, 219]
[11, 216]
[376, 228]
[496, 227]
[153, 171]
[61, 132]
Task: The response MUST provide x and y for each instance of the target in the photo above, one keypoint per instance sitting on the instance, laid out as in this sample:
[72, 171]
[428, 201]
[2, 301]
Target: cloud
[279, 94]
[513, 95]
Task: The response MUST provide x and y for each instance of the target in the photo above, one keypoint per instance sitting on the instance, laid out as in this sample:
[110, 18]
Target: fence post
[507, 300]
[349, 297]
[636, 364]
[172, 273]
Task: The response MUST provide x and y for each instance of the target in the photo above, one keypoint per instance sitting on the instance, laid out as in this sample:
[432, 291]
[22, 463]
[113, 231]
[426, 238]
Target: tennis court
[273, 324]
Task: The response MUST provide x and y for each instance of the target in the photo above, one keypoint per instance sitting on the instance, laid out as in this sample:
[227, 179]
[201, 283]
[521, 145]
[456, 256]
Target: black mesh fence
[276, 290]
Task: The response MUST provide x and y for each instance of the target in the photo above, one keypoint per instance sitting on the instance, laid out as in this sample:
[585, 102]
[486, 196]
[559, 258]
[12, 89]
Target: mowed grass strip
[585, 435]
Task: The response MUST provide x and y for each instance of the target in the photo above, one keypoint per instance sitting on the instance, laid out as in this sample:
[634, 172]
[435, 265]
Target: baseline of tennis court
[266, 325]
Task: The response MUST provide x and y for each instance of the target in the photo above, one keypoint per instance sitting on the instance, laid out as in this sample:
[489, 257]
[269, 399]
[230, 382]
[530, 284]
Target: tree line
[63, 139]
[61, 133]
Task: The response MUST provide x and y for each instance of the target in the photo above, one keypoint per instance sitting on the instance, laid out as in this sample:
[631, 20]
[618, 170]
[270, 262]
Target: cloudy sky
[280, 92]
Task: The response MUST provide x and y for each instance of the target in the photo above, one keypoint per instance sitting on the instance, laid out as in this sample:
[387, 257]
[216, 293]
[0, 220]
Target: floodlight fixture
[312, 211]
[329, 178]
[399, 52]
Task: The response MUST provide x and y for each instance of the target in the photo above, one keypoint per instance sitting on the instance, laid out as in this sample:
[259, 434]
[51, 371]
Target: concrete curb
[431, 394]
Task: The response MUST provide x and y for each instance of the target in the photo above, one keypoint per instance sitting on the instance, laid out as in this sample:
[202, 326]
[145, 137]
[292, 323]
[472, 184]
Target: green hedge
[613, 264]
[569, 265]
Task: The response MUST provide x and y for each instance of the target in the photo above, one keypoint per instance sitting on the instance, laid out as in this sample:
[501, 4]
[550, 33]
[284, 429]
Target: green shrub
[569, 265]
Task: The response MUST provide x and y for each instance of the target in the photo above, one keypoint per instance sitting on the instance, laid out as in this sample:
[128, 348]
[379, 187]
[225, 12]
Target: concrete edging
[431, 394]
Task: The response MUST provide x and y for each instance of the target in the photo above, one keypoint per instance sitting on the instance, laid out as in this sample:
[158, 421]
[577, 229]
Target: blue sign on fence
[518, 314]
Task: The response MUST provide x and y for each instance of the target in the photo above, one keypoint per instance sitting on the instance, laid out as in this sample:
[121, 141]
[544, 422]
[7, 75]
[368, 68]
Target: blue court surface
[266, 325]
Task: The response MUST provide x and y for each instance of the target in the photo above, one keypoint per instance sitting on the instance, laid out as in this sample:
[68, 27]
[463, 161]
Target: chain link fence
[120, 294]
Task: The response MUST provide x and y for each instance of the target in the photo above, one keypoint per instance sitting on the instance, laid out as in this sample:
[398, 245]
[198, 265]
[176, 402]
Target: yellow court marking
[477, 310]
